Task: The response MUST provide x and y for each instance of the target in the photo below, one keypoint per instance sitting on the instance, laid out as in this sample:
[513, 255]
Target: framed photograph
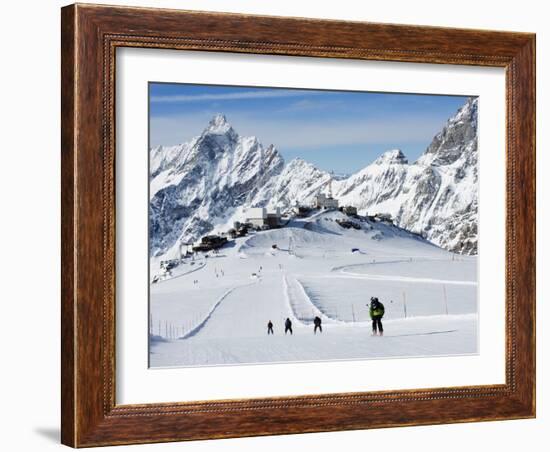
[282, 225]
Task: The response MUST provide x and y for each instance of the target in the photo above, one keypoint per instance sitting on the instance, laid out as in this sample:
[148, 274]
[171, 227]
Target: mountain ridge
[210, 181]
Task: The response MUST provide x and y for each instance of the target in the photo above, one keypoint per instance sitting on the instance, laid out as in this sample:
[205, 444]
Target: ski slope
[218, 313]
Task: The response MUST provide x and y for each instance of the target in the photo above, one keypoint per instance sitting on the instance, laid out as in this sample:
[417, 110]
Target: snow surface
[216, 311]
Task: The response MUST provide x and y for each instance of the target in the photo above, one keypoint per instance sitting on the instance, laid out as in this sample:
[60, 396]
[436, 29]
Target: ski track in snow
[401, 278]
[301, 304]
[343, 272]
[195, 330]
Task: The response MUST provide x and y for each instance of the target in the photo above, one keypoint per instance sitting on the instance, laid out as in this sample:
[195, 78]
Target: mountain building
[323, 201]
[259, 217]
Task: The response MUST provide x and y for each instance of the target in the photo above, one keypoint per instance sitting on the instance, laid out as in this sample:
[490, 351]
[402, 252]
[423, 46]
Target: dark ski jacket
[317, 321]
[376, 310]
[288, 323]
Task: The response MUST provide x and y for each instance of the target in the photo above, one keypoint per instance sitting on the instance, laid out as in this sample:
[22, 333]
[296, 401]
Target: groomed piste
[216, 311]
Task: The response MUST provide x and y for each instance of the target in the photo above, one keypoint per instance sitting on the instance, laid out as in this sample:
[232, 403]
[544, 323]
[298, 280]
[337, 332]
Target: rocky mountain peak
[447, 147]
[391, 157]
[298, 164]
[219, 125]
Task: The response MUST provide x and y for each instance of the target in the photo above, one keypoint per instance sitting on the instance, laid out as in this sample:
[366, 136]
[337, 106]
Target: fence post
[405, 304]
[445, 300]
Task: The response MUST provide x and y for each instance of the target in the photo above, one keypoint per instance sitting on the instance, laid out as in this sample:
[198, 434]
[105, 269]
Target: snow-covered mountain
[199, 186]
[435, 196]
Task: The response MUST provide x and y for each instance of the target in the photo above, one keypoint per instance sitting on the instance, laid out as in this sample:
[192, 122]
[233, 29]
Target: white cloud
[312, 105]
[231, 96]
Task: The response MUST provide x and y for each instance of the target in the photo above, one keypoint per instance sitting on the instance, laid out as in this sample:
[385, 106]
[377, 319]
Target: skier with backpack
[376, 311]
[317, 323]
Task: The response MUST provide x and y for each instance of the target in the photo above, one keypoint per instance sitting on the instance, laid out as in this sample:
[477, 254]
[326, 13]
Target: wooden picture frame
[90, 36]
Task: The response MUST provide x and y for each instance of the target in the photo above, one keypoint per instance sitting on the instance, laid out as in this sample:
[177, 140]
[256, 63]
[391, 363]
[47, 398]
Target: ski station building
[323, 201]
[259, 217]
[349, 210]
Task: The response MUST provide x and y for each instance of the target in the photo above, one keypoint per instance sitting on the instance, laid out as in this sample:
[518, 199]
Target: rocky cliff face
[203, 183]
[436, 196]
[212, 180]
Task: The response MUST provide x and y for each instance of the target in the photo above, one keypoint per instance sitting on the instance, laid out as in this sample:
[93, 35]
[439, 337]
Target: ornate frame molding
[90, 37]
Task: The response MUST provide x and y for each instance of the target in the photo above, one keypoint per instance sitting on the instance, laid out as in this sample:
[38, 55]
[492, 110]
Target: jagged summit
[447, 147]
[468, 111]
[393, 156]
[299, 163]
[219, 125]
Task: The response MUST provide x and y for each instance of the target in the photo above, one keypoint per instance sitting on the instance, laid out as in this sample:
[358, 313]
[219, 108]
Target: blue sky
[341, 131]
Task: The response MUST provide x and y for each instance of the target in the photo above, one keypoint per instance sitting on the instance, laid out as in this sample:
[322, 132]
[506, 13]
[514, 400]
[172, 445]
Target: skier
[270, 327]
[317, 323]
[376, 312]
[288, 326]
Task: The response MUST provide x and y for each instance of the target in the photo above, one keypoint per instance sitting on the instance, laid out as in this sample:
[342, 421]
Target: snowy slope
[218, 314]
[211, 181]
[299, 181]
